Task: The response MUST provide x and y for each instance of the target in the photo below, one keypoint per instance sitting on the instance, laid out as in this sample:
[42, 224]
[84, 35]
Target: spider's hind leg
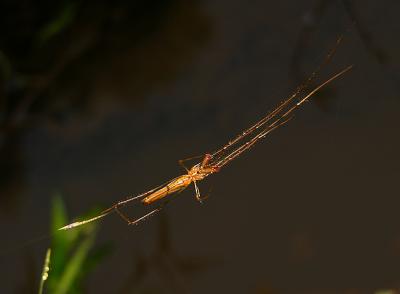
[140, 219]
[198, 196]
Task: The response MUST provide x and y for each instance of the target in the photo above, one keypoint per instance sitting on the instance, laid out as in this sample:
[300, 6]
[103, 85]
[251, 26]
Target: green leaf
[74, 265]
[58, 24]
[62, 241]
[72, 254]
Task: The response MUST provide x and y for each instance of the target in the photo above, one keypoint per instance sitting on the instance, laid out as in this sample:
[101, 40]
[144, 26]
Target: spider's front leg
[206, 159]
[181, 161]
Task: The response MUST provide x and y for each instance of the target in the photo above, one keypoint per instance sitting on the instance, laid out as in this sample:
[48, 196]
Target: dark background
[103, 103]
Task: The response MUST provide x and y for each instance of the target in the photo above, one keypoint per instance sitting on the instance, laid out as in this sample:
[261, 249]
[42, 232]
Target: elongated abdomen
[175, 186]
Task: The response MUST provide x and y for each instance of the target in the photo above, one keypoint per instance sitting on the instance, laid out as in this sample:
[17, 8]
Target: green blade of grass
[61, 243]
[74, 265]
[58, 24]
[45, 271]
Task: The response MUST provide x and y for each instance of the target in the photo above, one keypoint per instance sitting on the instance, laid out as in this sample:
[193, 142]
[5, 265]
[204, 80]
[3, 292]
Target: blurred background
[99, 100]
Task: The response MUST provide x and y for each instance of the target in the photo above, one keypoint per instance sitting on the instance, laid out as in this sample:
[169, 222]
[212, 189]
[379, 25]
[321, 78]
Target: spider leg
[181, 161]
[198, 196]
[140, 219]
